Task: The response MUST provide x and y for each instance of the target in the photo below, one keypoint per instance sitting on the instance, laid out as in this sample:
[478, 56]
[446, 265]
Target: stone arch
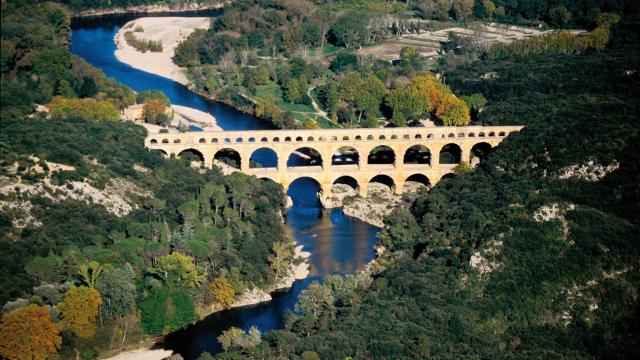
[450, 154]
[471, 135]
[345, 138]
[481, 134]
[479, 152]
[417, 154]
[447, 176]
[310, 138]
[334, 138]
[263, 157]
[492, 134]
[346, 180]
[307, 193]
[304, 156]
[418, 136]
[358, 138]
[176, 141]
[276, 139]
[394, 137]
[162, 151]
[382, 137]
[214, 140]
[430, 136]
[461, 135]
[416, 182]
[452, 135]
[370, 137]
[287, 139]
[345, 155]
[165, 141]
[406, 136]
[191, 155]
[502, 133]
[299, 138]
[381, 179]
[227, 140]
[239, 140]
[252, 139]
[228, 156]
[202, 141]
[154, 141]
[322, 138]
[381, 154]
[264, 139]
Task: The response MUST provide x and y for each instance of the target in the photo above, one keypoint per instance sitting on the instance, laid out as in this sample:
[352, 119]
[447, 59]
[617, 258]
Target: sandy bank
[142, 354]
[170, 31]
[191, 116]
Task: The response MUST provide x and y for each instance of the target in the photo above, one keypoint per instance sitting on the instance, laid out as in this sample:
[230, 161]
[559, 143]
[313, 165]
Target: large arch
[417, 154]
[450, 154]
[347, 180]
[191, 154]
[381, 179]
[304, 156]
[263, 157]
[381, 155]
[479, 152]
[346, 155]
[229, 157]
[416, 182]
[304, 193]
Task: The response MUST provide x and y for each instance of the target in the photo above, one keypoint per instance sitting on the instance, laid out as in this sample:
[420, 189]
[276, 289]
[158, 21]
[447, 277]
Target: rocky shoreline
[149, 9]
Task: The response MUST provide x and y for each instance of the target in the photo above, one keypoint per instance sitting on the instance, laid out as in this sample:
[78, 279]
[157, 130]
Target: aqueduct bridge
[360, 156]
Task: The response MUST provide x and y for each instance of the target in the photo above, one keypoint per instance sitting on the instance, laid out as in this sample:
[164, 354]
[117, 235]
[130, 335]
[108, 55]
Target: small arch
[461, 135]
[227, 140]
[214, 140]
[417, 154]
[299, 138]
[264, 139]
[349, 181]
[370, 137]
[202, 141]
[239, 140]
[430, 136]
[345, 138]
[176, 141]
[471, 135]
[479, 153]
[481, 134]
[447, 176]
[452, 135]
[358, 138]
[310, 138]
[345, 155]
[252, 139]
[276, 139]
[406, 136]
[501, 133]
[418, 136]
[304, 156]
[263, 157]
[385, 180]
[382, 137]
[450, 154]
[229, 157]
[416, 182]
[394, 137]
[191, 155]
[334, 138]
[287, 139]
[322, 138]
[154, 141]
[165, 141]
[381, 155]
[492, 134]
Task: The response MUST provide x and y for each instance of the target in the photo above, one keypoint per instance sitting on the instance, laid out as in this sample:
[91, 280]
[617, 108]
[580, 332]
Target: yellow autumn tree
[28, 333]
[222, 292]
[79, 309]
[154, 110]
[88, 108]
[456, 112]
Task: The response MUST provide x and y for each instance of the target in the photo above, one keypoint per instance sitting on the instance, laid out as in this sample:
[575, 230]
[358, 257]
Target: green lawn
[325, 50]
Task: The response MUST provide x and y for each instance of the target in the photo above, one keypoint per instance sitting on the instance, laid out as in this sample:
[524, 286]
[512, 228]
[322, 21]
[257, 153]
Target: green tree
[90, 273]
[176, 271]
[118, 291]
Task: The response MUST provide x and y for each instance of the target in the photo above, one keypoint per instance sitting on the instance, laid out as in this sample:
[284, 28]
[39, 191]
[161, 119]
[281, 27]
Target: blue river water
[338, 244]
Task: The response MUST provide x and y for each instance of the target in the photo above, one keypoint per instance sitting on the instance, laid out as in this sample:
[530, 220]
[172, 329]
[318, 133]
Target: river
[338, 244]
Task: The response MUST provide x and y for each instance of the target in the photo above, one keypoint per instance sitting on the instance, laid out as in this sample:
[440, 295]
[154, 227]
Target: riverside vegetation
[182, 243]
[523, 257]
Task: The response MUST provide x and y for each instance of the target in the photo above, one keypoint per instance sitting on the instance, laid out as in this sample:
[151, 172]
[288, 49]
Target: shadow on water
[338, 244]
